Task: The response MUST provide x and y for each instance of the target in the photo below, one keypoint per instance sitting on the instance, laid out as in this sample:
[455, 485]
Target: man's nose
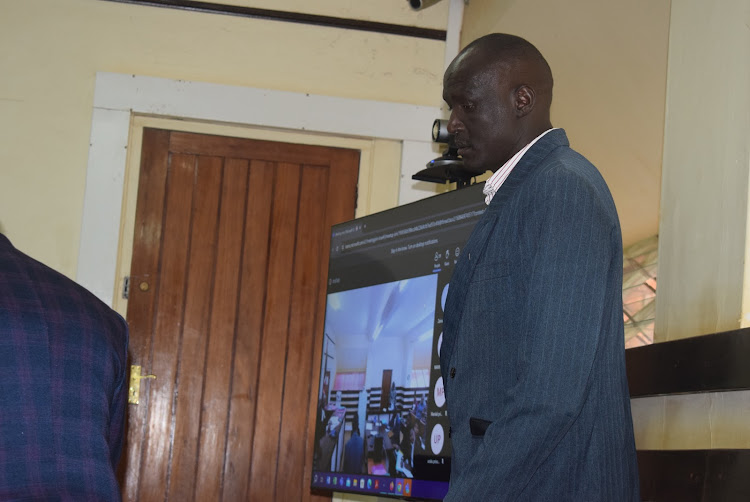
[454, 124]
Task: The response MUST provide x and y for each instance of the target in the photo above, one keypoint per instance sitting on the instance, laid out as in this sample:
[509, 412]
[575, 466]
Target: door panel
[304, 303]
[238, 457]
[273, 347]
[147, 242]
[169, 284]
[385, 389]
[231, 244]
[192, 351]
[224, 306]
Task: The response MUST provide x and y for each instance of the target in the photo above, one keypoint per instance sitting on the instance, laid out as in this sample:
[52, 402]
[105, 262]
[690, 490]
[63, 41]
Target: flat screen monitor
[381, 423]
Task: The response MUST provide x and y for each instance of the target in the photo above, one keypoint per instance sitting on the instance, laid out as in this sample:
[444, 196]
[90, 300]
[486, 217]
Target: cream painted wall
[609, 61]
[692, 421]
[703, 243]
[50, 51]
[703, 279]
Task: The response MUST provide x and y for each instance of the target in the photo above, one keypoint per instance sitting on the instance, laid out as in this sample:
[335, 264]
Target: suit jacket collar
[531, 159]
[481, 233]
[5, 243]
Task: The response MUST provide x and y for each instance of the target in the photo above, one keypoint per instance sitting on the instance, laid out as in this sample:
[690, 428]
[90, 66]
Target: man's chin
[474, 170]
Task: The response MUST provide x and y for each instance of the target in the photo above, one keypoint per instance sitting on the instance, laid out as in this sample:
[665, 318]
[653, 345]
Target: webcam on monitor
[449, 167]
[421, 4]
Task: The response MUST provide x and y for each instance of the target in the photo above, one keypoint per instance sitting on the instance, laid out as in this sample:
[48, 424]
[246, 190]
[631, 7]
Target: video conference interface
[381, 423]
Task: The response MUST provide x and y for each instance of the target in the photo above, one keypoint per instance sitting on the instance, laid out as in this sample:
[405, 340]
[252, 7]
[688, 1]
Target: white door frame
[117, 97]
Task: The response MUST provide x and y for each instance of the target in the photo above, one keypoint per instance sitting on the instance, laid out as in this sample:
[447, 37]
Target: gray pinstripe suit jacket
[533, 348]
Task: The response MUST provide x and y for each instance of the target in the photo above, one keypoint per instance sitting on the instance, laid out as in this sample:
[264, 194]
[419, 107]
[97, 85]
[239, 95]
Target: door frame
[119, 98]
[375, 156]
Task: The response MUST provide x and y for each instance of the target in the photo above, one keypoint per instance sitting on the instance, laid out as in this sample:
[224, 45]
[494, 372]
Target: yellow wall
[703, 243]
[609, 61]
[50, 51]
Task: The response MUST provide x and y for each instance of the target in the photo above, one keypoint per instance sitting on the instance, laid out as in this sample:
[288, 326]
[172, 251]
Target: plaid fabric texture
[63, 356]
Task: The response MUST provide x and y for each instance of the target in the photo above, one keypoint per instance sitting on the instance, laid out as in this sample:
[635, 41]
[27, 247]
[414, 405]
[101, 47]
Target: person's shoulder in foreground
[533, 343]
[63, 354]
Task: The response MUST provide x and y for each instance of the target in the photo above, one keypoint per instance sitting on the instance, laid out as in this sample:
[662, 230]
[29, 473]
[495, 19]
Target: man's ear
[525, 100]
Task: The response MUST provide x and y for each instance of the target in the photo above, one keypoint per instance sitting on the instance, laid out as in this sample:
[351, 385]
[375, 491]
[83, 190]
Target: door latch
[135, 383]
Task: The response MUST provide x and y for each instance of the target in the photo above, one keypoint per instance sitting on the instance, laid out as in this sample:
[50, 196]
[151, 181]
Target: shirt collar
[493, 184]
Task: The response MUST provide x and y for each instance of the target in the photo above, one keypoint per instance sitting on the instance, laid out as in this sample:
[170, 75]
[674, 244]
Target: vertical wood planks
[215, 401]
[232, 236]
[274, 341]
[192, 349]
[237, 462]
[305, 290]
[167, 328]
[144, 267]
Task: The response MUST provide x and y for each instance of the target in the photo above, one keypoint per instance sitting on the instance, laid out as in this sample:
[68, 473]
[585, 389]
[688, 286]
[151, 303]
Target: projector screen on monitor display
[381, 424]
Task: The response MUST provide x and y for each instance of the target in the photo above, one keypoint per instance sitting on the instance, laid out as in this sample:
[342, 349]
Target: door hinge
[125, 287]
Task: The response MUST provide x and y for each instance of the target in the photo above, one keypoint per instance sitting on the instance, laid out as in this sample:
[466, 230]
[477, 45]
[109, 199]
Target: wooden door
[385, 392]
[226, 309]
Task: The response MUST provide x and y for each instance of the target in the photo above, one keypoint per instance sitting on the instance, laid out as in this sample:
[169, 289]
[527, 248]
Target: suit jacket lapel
[460, 281]
[531, 159]
[480, 235]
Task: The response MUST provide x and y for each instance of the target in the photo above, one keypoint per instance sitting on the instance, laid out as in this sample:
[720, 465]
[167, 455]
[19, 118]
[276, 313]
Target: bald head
[500, 90]
[516, 59]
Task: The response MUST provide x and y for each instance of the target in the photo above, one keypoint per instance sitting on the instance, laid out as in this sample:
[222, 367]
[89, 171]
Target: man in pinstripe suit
[533, 346]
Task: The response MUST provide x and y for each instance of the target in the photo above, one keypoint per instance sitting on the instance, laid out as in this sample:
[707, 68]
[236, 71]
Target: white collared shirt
[493, 184]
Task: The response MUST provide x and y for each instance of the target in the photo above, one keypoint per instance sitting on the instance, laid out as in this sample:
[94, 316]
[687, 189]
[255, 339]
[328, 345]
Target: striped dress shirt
[493, 184]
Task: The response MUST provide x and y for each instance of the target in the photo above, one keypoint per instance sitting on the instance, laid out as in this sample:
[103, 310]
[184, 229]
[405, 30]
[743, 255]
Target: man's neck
[526, 137]
[533, 131]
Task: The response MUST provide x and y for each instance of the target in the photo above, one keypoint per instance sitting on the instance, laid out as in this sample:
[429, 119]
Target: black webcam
[449, 167]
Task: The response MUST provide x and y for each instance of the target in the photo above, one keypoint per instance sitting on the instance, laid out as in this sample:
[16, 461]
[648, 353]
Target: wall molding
[294, 17]
[694, 475]
[708, 363]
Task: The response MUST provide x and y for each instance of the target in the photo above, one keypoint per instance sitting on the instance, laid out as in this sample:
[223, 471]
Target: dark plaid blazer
[533, 354]
[62, 385]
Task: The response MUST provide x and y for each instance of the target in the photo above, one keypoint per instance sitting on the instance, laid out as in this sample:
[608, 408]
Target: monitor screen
[381, 424]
